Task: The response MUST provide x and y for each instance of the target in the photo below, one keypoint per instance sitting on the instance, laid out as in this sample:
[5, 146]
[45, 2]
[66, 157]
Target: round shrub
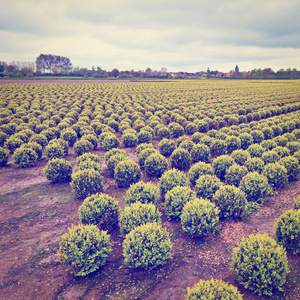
[246, 140]
[144, 192]
[163, 132]
[231, 201]
[13, 143]
[268, 144]
[144, 154]
[240, 156]
[206, 186]
[177, 131]
[255, 186]
[196, 137]
[24, 157]
[84, 249]
[147, 246]
[268, 133]
[181, 140]
[255, 164]
[166, 147]
[270, 157]
[234, 174]
[36, 147]
[197, 170]
[142, 147]
[89, 164]
[69, 135]
[293, 147]
[282, 151]
[175, 199]
[127, 172]
[155, 165]
[180, 159]
[213, 289]
[62, 143]
[113, 152]
[100, 209]
[83, 146]
[86, 182]
[144, 136]
[3, 138]
[91, 138]
[88, 156]
[276, 175]
[217, 148]
[187, 145]
[203, 126]
[109, 142]
[296, 203]
[258, 136]
[129, 139]
[200, 152]
[103, 135]
[232, 143]
[113, 161]
[54, 150]
[292, 166]
[287, 230]
[281, 141]
[58, 170]
[138, 214]
[199, 218]
[256, 150]
[4, 154]
[190, 128]
[221, 164]
[170, 179]
[260, 264]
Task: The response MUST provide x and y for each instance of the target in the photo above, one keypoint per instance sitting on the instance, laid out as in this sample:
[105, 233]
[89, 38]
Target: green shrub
[109, 142]
[3, 138]
[58, 170]
[233, 143]
[36, 147]
[113, 161]
[54, 150]
[240, 156]
[282, 151]
[144, 154]
[197, 170]
[13, 143]
[187, 145]
[206, 186]
[155, 165]
[293, 147]
[129, 139]
[200, 152]
[175, 199]
[234, 174]
[177, 131]
[180, 159]
[255, 186]
[292, 166]
[196, 137]
[221, 164]
[287, 230]
[202, 126]
[64, 145]
[170, 179]
[213, 290]
[260, 264]
[83, 146]
[86, 182]
[91, 138]
[4, 155]
[218, 148]
[84, 249]
[268, 144]
[276, 175]
[257, 135]
[163, 132]
[127, 172]
[100, 209]
[270, 157]
[190, 128]
[147, 246]
[105, 134]
[24, 157]
[142, 147]
[144, 136]
[255, 164]
[181, 140]
[281, 141]
[89, 164]
[88, 156]
[199, 218]
[231, 201]
[113, 152]
[256, 150]
[296, 204]
[166, 147]
[246, 140]
[69, 135]
[138, 214]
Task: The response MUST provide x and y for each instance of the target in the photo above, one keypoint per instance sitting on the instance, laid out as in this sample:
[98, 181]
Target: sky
[180, 35]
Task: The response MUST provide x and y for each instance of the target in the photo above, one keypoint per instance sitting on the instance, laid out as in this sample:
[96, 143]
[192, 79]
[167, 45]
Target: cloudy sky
[181, 35]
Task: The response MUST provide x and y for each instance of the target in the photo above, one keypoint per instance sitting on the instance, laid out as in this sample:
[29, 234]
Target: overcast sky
[181, 35]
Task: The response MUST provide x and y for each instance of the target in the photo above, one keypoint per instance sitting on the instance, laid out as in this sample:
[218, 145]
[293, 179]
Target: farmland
[257, 117]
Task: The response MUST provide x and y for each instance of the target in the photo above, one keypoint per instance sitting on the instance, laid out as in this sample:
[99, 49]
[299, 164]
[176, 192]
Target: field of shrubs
[157, 167]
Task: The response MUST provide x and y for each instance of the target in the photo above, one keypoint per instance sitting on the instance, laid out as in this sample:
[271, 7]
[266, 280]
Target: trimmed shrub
[221, 164]
[282, 151]
[84, 249]
[86, 182]
[127, 172]
[170, 179]
[197, 170]
[258, 136]
[88, 156]
[276, 175]
[138, 214]
[142, 147]
[163, 132]
[24, 157]
[287, 230]
[270, 157]
[180, 159]
[113, 152]
[268, 144]
[3, 138]
[177, 131]
[240, 156]
[199, 218]
[129, 139]
[202, 126]
[207, 185]
[147, 246]
[233, 143]
[13, 143]
[213, 289]
[234, 174]
[255, 164]
[231, 201]
[281, 141]
[155, 165]
[256, 150]
[144, 136]
[260, 264]
[217, 148]
[58, 170]
[268, 133]
[69, 135]
[100, 209]
[4, 155]
[196, 137]
[292, 166]
[62, 143]
[255, 186]
[175, 199]
[91, 138]
[144, 154]
[190, 128]
[181, 140]
[144, 192]
[200, 152]
[54, 150]
[293, 147]
[36, 147]
[89, 164]
[246, 140]
[109, 142]
[113, 161]
[83, 146]
[166, 147]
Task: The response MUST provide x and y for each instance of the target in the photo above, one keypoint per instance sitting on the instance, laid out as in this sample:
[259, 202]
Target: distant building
[237, 70]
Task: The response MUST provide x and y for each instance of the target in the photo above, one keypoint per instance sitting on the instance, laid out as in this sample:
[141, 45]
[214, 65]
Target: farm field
[257, 117]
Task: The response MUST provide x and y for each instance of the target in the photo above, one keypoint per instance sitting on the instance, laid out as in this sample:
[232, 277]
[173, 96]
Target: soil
[3, 81]
[35, 213]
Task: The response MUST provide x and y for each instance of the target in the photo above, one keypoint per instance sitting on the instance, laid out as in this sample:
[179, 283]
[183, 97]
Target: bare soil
[35, 213]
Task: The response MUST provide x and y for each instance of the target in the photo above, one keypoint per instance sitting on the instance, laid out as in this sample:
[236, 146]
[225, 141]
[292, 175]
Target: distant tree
[48, 61]
[115, 72]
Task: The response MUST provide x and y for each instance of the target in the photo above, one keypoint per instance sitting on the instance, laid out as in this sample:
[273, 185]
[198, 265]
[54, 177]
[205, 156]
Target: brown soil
[58, 81]
[35, 213]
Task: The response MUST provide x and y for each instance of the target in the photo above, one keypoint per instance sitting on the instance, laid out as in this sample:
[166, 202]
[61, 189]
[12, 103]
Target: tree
[48, 61]
[115, 72]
